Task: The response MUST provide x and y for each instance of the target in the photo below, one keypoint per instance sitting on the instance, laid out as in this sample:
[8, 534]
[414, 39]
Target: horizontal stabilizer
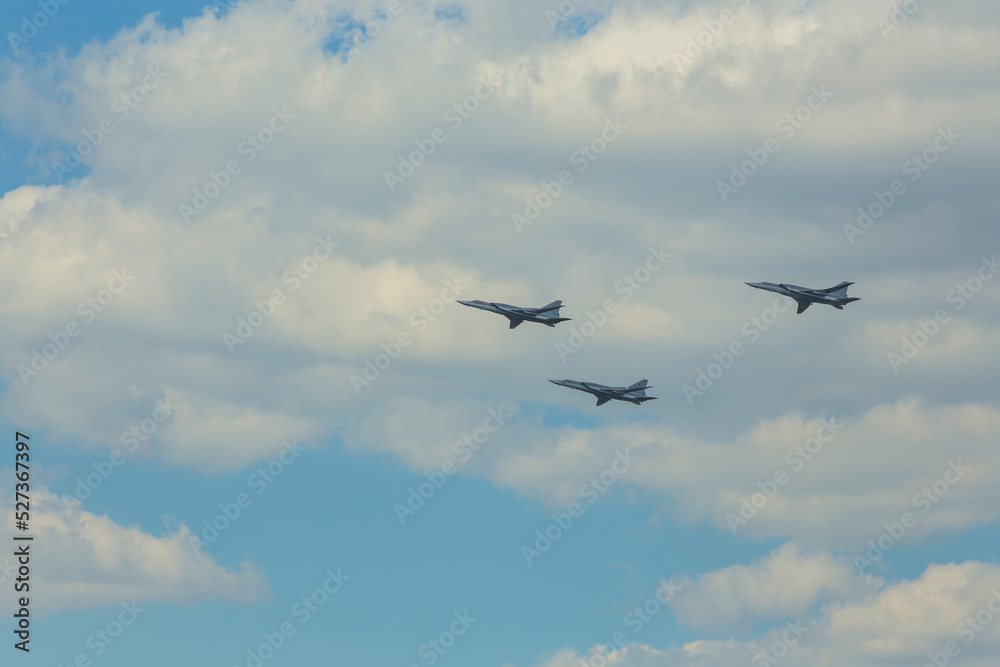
[840, 306]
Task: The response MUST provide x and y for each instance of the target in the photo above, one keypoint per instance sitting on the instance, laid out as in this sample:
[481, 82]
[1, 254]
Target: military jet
[835, 296]
[635, 393]
[545, 315]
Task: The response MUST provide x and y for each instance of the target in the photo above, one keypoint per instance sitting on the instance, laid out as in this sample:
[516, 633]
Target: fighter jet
[832, 296]
[545, 315]
[635, 393]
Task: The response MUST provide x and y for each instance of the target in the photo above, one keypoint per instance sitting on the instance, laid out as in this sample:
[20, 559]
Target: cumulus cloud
[947, 608]
[403, 255]
[785, 584]
[788, 477]
[694, 107]
[81, 560]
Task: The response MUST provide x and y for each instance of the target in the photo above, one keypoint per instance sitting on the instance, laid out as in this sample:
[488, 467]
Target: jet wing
[602, 401]
[804, 290]
[802, 307]
[515, 323]
[555, 305]
[529, 311]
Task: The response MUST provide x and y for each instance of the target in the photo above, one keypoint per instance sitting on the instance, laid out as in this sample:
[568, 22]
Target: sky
[261, 431]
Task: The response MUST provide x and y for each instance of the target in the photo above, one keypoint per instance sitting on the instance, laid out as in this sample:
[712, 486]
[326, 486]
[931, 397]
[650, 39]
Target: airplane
[635, 393]
[835, 296]
[545, 315]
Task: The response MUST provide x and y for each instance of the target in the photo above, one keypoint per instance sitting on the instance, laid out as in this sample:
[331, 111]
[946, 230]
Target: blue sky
[324, 196]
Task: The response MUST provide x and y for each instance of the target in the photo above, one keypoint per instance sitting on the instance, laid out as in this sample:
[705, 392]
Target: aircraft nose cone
[464, 303]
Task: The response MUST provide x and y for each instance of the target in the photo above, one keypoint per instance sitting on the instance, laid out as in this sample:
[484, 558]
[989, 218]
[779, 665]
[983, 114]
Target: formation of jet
[635, 393]
[835, 296]
[545, 315]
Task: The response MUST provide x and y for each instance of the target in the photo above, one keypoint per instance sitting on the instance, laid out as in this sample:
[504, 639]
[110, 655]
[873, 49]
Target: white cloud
[788, 477]
[81, 560]
[785, 584]
[323, 176]
[900, 623]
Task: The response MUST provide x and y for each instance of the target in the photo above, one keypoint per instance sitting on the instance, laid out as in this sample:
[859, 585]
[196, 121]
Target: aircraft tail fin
[555, 305]
[837, 290]
[638, 390]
